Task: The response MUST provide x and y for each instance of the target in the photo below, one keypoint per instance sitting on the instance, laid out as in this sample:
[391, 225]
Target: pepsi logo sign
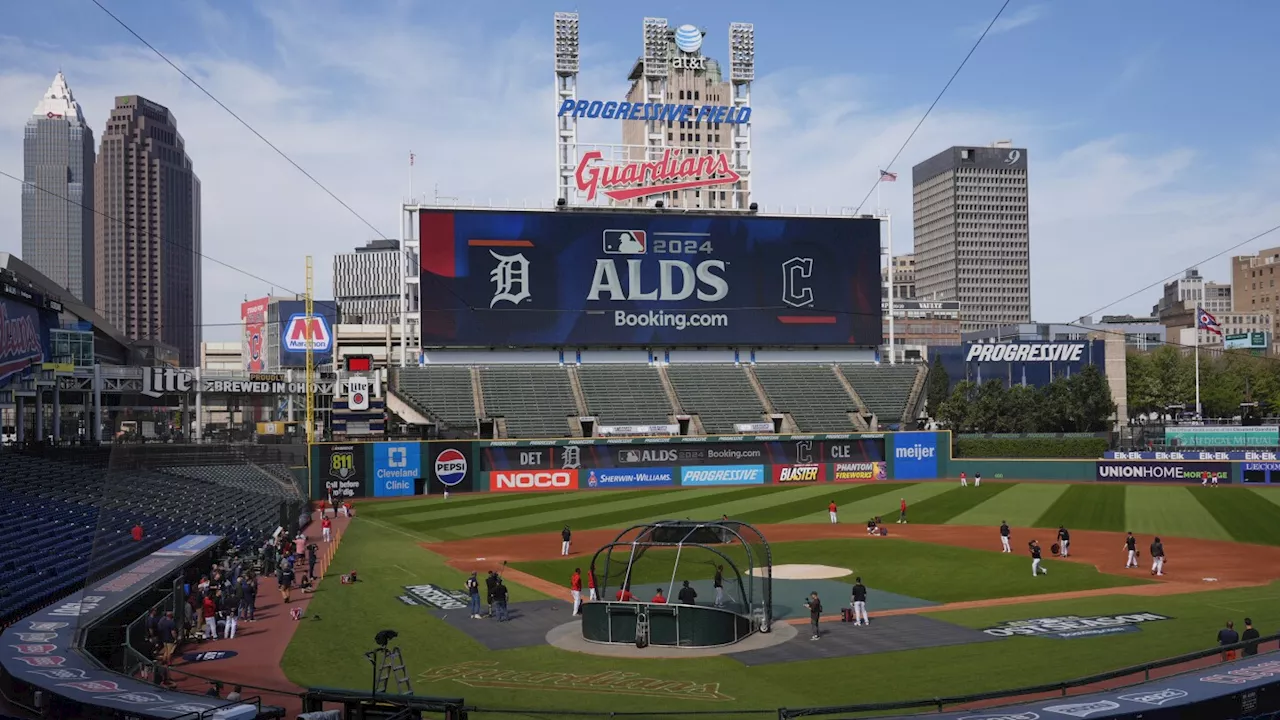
[451, 467]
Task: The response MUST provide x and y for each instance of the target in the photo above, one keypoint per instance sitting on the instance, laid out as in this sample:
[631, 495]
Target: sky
[1149, 147]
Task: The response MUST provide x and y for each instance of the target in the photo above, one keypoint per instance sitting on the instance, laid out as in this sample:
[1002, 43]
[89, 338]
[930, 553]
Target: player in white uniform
[977, 479]
[964, 481]
[1004, 536]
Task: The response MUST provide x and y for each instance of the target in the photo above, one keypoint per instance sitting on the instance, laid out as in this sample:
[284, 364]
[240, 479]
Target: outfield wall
[397, 469]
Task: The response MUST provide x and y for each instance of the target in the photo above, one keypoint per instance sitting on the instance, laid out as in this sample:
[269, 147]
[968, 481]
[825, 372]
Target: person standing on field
[964, 480]
[591, 582]
[473, 594]
[1157, 557]
[977, 479]
[902, 510]
[1131, 545]
[831, 510]
[719, 585]
[575, 589]
[1064, 539]
[564, 540]
[1004, 536]
[815, 612]
[1036, 570]
[859, 602]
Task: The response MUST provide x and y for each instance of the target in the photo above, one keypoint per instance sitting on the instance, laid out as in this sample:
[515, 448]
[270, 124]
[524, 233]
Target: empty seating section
[245, 477]
[884, 389]
[721, 395]
[534, 399]
[67, 521]
[625, 394]
[812, 394]
[444, 390]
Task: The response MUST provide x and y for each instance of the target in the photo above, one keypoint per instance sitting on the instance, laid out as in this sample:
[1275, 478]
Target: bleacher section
[812, 394]
[67, 521]
[625, 394]
[721, 395]
[884, 389]
[443, 390]
[244, 477]
[536, 400]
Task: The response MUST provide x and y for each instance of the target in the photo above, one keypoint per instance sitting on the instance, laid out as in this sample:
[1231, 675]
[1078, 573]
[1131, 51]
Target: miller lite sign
[358, 393]
[157, 382]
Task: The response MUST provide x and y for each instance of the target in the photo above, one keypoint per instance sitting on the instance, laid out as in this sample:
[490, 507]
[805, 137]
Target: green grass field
[383, 542]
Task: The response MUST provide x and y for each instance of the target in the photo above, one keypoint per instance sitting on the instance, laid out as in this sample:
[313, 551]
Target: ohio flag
[1207, 321]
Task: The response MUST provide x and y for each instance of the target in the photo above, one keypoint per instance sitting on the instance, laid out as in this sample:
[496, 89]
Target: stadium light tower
[742, 71]
[657, 67]
[567, 57]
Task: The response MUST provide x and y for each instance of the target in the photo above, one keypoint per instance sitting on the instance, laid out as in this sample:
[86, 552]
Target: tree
[938, 387]
[954, 412]
[1091, 407]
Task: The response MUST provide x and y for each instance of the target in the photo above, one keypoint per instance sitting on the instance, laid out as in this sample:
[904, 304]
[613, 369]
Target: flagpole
[410, 176]
[1197, 345]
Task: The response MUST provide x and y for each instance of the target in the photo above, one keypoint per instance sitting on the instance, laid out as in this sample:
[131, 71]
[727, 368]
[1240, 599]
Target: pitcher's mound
[804, 572]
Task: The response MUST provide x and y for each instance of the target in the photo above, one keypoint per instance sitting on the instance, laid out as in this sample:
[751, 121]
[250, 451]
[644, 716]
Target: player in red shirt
[326, 527]
[575, 588]
[831, 510]
[591, 582]
[659, 598]
[902, 511]
[624, 595]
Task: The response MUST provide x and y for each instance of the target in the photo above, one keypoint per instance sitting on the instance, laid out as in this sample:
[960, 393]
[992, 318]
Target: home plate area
[531, 622]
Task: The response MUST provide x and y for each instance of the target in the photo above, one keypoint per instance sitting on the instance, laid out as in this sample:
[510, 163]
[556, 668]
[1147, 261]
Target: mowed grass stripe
[1270, 493]
[391, 509]
[1169, 510]
[1021, 505]
[1241, 513]
[603, 514]
[939, 509]
[815, 509]
[1096, 506]
[740, 508]
[528, 504]
[884, 504]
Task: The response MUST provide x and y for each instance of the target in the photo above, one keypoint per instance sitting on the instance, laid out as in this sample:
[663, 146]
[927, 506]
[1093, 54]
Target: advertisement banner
[785, 474]
[24, 338]
[607, 278]
[253, 321]
[859, 472]
[723, 475]
[342, 468]
[295, 331]
[806, 450]
[915, 455]
[1071, 627]
[1258, 455]
[1224, 436]
[1158, 471]
[532, 481]
[639, 477]
[1034, 364]
[450, 469]
[396, 468]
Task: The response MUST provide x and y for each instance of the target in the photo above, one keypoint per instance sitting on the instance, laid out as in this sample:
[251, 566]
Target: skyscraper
[971, 237]
[57, 199]
[147, 239]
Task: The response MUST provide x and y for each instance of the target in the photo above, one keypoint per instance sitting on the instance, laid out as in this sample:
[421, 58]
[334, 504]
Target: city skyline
[1114, 169]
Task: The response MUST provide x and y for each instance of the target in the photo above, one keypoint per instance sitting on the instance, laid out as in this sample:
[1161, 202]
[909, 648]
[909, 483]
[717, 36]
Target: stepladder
[392, 668]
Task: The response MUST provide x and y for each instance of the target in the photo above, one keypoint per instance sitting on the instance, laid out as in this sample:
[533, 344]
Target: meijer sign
[532, 480]
[1025, 352]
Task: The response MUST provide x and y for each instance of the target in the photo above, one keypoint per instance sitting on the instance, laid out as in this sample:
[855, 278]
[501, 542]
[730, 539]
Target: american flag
[411, 159]
[886, 176]
[1207, 321]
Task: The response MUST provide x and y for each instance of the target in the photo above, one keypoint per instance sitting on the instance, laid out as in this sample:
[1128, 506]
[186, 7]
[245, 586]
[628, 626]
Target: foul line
[402, 531]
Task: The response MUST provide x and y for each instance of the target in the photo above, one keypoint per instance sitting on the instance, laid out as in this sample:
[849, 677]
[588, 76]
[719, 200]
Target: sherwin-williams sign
[1223, 436]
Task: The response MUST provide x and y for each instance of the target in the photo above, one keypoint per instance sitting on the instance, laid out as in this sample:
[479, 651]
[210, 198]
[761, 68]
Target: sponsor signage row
[1263, 436]
[1257, 455]
[658, 430]
[722, 475]
[639, 477]
[1025, 352]
[1162, 471]
[662, 112]
[668, 452]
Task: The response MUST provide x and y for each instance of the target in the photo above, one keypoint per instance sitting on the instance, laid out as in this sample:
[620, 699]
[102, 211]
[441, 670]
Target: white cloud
[1008, 22]
[349, 98]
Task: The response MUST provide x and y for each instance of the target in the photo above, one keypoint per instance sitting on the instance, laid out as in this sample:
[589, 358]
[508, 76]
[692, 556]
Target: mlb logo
[625, 242]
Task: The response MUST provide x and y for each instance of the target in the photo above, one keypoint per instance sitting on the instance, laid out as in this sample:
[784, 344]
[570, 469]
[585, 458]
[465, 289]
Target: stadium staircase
[536, 401]
[886, 389]
[863, 420]
[719, 396]
[812, 395]
[444, 394]
[624, 394]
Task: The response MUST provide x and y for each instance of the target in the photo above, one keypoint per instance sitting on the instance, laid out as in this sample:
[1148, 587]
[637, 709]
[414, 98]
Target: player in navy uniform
[1034, 547]
[1131, 545]
[1064, 539]
[1157, 557]
[1004, 536]
[859, 602]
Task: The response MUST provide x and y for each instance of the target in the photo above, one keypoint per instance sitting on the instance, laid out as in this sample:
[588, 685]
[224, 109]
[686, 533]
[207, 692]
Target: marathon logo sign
[1157, 471]
[1070, 627]
[786, 474]
[1025, 352]
[859, 472]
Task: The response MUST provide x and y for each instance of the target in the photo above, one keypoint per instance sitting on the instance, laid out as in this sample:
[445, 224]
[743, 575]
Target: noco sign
[545, 278]
[532, 480]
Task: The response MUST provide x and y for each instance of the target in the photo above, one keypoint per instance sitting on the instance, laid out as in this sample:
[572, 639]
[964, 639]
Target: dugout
[663, 555]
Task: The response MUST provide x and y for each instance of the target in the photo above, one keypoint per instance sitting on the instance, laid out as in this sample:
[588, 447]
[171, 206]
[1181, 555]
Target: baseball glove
[1054, 548]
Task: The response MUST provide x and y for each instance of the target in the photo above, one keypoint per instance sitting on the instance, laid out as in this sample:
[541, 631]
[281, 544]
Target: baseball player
[591, 582]
[1131, 545]
[1034, 547]
[977, 479]
[1064, 539]
[575, 590]
[565, 535]
[1157, 557]
[719, 585]
[1004, 536]
[964, 481]
[902, 510]
[1207, 478]
[831, 510]
[859, 603]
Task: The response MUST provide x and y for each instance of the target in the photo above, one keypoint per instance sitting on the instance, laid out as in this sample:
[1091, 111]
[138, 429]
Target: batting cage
[686, 583]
